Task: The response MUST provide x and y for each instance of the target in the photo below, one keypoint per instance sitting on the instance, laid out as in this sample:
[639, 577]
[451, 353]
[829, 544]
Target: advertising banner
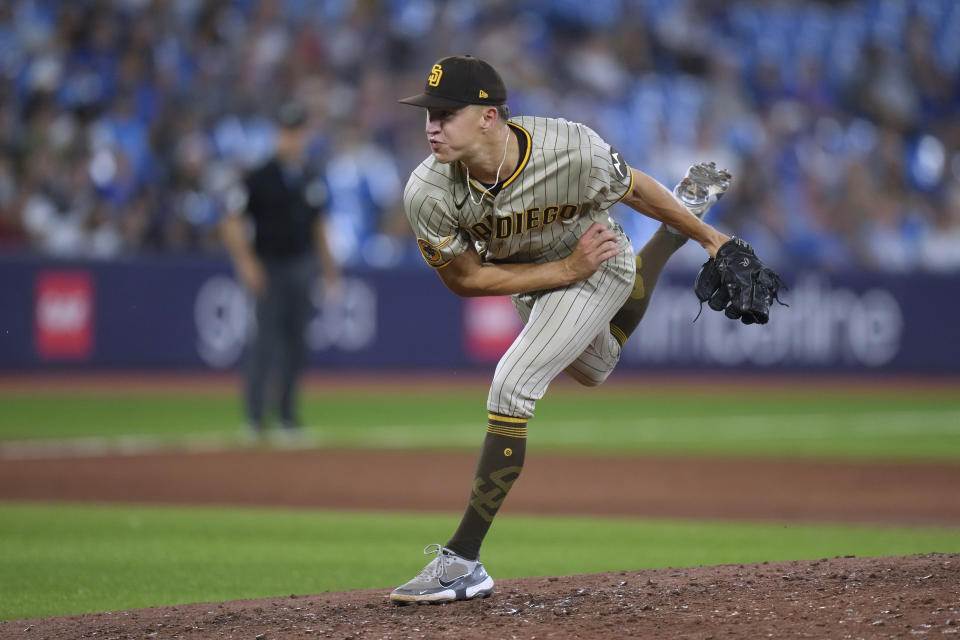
[63, 326]
[191, 314]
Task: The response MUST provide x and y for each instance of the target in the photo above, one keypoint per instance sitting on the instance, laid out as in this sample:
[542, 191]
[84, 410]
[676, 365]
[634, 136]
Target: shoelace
[435, 568]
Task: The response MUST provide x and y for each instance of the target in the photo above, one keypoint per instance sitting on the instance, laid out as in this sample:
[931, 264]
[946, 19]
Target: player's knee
[599, 379]
[588, 378]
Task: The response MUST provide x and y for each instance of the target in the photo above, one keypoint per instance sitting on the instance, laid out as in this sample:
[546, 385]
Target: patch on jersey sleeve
[431, 252]
[619, 166]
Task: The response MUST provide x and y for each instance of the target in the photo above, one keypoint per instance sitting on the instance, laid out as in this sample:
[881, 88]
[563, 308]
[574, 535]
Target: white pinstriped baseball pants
[565, 330]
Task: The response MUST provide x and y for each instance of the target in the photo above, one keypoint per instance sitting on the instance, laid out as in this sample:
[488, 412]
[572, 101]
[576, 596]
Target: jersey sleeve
[439, 236]
[609, 178]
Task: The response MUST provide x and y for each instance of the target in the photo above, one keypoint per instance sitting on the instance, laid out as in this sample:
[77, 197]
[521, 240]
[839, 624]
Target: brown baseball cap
[458, 81]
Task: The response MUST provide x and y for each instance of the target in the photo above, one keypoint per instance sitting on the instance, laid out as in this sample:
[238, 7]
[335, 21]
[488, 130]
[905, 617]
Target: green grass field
[808, 421]
[59, 560]
[65, 559]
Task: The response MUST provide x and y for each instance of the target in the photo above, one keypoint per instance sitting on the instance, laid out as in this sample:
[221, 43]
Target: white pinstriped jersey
[565, 181]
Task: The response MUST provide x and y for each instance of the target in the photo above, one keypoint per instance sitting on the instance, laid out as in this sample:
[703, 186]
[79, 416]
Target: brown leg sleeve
[500, 463]
[650, 261]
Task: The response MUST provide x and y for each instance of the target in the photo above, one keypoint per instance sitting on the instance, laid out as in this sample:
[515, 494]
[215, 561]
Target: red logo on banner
[490, 327]
[64, 320]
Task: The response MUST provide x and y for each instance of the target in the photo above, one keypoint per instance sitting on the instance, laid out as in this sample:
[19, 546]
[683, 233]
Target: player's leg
[650, 261]
[298, 310]
[698, 191]
[263, 344]
[597, 361]
[559, 327]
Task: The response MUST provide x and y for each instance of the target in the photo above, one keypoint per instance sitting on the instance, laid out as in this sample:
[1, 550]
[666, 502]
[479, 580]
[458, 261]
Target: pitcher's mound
[912, 596]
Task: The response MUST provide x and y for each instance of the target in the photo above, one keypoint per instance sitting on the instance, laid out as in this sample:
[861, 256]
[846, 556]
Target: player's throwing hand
[597, 245]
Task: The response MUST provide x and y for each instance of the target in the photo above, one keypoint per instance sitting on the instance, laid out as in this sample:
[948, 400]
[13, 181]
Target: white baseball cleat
[446, 578]
[700, 189]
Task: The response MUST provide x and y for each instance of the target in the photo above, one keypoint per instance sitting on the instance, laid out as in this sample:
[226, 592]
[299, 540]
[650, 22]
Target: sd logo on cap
[458, 81]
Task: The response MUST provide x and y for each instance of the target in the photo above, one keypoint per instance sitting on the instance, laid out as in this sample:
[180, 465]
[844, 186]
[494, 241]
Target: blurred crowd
[123, 123]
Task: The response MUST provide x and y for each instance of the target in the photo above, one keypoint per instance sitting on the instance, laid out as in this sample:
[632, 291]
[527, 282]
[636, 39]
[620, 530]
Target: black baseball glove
[737, 282]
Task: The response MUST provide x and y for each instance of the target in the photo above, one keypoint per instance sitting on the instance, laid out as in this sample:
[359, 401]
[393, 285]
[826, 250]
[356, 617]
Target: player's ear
[489, 117]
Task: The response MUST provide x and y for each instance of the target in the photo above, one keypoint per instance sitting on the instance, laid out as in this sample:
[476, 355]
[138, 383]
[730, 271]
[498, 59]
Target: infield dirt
[916, 596]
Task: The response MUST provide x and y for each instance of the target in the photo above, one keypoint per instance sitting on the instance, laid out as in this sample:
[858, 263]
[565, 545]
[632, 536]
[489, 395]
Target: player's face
[452, 132]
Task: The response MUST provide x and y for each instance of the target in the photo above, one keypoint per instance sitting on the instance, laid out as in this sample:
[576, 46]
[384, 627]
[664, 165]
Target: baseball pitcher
[519, 207]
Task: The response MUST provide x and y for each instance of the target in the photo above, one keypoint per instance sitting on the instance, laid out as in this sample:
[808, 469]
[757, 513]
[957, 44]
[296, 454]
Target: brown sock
[501, 460]
[650, 261]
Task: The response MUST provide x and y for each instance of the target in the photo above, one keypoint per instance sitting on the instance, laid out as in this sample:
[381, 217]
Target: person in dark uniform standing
[283, 202]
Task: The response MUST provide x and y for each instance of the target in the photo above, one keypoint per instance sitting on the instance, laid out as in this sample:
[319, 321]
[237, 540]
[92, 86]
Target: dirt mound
[913, 596]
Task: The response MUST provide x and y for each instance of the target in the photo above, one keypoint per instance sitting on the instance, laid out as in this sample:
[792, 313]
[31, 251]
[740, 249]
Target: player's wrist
[568, 273]
[714, 241]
